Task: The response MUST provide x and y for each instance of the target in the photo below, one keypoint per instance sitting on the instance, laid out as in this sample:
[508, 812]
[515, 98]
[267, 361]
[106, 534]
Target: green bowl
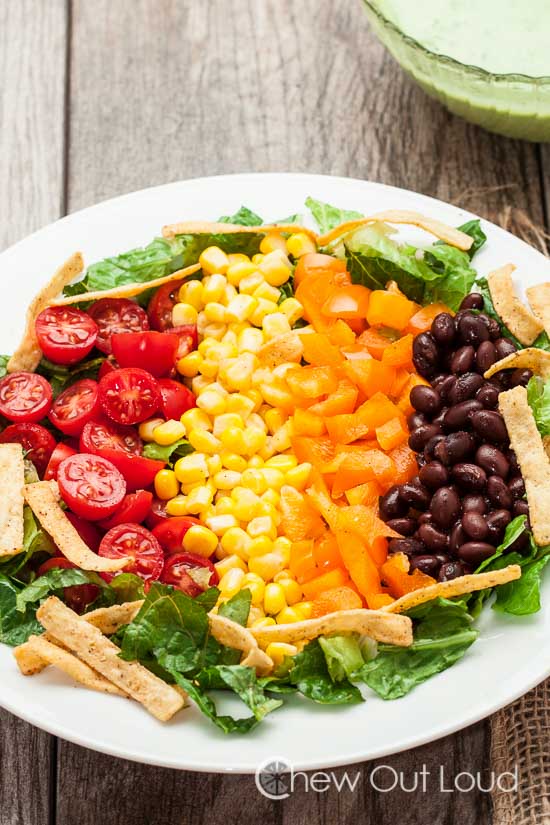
[514, 105]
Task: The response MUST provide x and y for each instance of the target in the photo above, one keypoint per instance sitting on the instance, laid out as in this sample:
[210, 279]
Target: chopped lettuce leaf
[538, 397]
[60, 377]
[244, 216]
[474, 230]
[512, 533]
[457, 276]
[3, 364]
[237, 607]
[15, 626]
[311, 676]
[522, 596]
[35, 540]
[327, 216]
[343, 655]
[124, 587]
[52, 582]
[169, 453]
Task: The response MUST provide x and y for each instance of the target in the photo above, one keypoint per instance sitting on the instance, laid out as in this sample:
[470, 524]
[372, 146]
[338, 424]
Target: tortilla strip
[452, 236]
[240, 638]
[534, 464]
[111, 619]
[454, 587]
[532, 358]
[213, 228]
[90, 645]
[12, 480]
[539, 301]
[373, 623]
[510, 309]
[126, 290]
[28, 354]
[43, 501]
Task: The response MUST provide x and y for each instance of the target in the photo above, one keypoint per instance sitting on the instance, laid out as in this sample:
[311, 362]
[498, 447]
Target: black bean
[474, 503]
[488, 396]
[521, 508]
[425, 518]
[490, 425]
[450, 570]
[520, 543]
[494, 329]
[486, 356]
[514, 466]
[472, 301]
[425, 355]
[438, 419]
[504, 347]
[420, 437]
[415, 494]
[416, 420]
[516, 486]
[498, 493]
[445, 506]
[520, 378]
[429, 449]
[410, 547]
[465, 387]
[474, 552]
[403, 526]
[391, 505]
[434, 539]
[455, 447]
[421, 460]
[496, 524]
[469, 476]
[472, 330]
[425, 400]
[443, 328]
[492, 460]
[426, 564]
[457, 417]
[475, 525]
[434, 475]
[458, 537]
[445, 387]
[462, 360]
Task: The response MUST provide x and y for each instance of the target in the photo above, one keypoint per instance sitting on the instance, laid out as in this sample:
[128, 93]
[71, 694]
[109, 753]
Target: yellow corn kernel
[261, 546]
[266, 565]
[239, 270]
[292, 309]
[283, 462]
[256, 585]
[275, 324]
[232, 461]
[266, 510]
[237, 376]
[254, 440]
[273, 478]
[282, 370]
[147, 428]
[291, 589]
[224, 504]
[213, 287]
[250, 340]
[221, 524]
[186, 488]
[263, 309]
[275, 268]
[255, 462]
[236, 542]
[233, 439]
[267, 621]
[212, 330]
[255, 614]
[184, 314]
[256, 397]
[195, 419]
[271, 242]
[250, 283]
[215, 312]
[262, 526]
[257, 258]
[211, 402]
[209, 368]
[230, 582]
[274, 598]
[299, 244]
[240, 404]
[244, 502]
[168, 432]
[166, 484]
[276, 396]
[284, 574]
[298, 477]
[214, 464]
[191, 468]
[177, 506]
[200, 540]
[274, 419]
[232, 562]
[268, 293]
[288, 615]
[191, 293]
[200, 383]
[240, 308]
[202, 322]
[199, 499]
[237, 258]
[272, 498]
[305, 608]
[227, 479]
[278, 651]
[254, 480]
[226, 420]
[282, 546]
[229, 293]
[213, 259]
[189, 365]
[256, 422]
[203, 441]
[230, 338]
[280, 440]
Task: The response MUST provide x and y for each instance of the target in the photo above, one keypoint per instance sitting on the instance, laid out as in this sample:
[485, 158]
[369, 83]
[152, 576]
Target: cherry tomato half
[161, 305]
[24, 396]
[129, 396]
[65, 335]
[114, 315]
[90, 485]
[176, 398]
[99, 434]
[188, 339]
[157, 513]
[170, 532]
[109, 365]
[138, 543]
[75, 406]
[190, 573]
[77, 596]
[61, 452]
[138, 471]
[37, 442]
[151, 351]
[87, 531]
[134, 508]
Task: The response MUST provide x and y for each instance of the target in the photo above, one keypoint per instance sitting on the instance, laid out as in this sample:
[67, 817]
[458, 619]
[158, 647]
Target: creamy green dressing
[501, 36]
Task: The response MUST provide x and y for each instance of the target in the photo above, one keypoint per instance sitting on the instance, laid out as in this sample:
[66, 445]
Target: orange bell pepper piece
[370, 465]
[326, 553]
[404, 460]
[349, 302]
[341, 401]
[388, 309]
[316, 451]
[314, 290]
[302, 563]
[319, 351]
[370, 375]
[391, 434]
[375, 342]
[341, 334]
[361, 520]
[299, 520]
[367, 494]
[337, 598]
[378, 600]
[401, 380]
[421, 321]
[326, 581]
[378, 549]
[399, 354]
[314, 263]
[395, 572]
[377, 410]
[312, 382]
[403, 401]
[307, 423]
[359, 564]
[343, 429]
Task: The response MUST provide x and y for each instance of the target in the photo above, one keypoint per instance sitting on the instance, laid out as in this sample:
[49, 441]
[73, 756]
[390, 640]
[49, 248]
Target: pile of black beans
[453, 514]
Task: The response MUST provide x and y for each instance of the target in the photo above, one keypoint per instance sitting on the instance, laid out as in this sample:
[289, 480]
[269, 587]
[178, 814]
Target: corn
[232, 461]
[283, 462]
[195, 419]
[184, 314]
[199, 499]
[260, 546]
[213, 288]
[250, 340]
[254, 440]
[229, 293]
[212, 330]
[298, 477]
[230, 583]
[203, 441]
[215, 312]
[224, 505]
[227, 479]
[257, 258]
[288, 615]
[230, 338]
[282, 370]
[276, 396]
[200, 540]
[291, 589]
[229, 563]
[266, 565]
[220, 524]
[234, 440]
[300, 244]
[200, 383]
[282, 546]
[271, 242]
[237, 258]
[262, 526]
[191, 468]
[239, 270]
[273, 478]
[271, 497]
[263, 308]
[279, 651]
[214, 464]
[280, 440]
[166, 484]
[256, 585]
[250, 283]
[222, 422]
[177, 506]
[275, 324]
[191, 293]
[237, 376]
[213, 259]
[274, 598]
[265, 509]
[255, 614]
[236, 542]
[244, 503]
[305, 608]
[240, 404]
[268, 293]
[255, 462]
[274, 419]
[292, 309]
[241, 308]
[169, 432]
[189, 365]
[256, 422]
[209, 368]
[147, 428]
[211, 402]
[275, 268]
[267, 621]
[254, 480]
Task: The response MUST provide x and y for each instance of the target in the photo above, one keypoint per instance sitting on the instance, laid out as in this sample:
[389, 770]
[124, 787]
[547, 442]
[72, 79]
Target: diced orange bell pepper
[299, 520]
[337, 598]
[378, 600]
[312, 382]
[375, 342]
[395, 573]
[313, 263]
[387, 309]
[314, 290]
[370, 465]
[343, 429]
[326, 553]
[307, 423]
[358, 325]
[319, 351]
[367, 494]
[391, 434]
[378, 549]
[401, 380]
[377, 410]
[341, 334]
[421, 321]
[370, 375]
[362, 520]
[339, 402]
[316, 451]
[404, 460]
[302, 563]
[326, 581]
[349, 302]
[399, 354]
[359, 564]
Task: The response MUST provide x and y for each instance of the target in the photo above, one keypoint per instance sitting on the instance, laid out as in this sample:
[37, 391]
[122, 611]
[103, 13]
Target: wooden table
[101, 97]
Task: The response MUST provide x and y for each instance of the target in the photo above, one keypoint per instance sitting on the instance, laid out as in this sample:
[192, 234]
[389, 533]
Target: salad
[265, 459]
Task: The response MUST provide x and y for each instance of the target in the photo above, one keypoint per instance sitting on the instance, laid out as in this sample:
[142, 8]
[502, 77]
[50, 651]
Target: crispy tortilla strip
[90, 645]
[126, 290]
[240, 638]
[452, 236]
[213, 228]
[111, 619]
[539, 301]
[12, 480]
[373, 623]
[28, 354]
[43, 501]
[510, 309]
[531, 358]
[534, 464]
[454, 587]
[281, 350]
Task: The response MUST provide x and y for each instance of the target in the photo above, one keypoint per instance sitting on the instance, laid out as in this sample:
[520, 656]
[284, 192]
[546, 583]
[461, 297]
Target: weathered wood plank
[32, 92]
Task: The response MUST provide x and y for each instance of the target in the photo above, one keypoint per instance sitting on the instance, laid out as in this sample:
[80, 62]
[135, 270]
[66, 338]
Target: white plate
[510, 656]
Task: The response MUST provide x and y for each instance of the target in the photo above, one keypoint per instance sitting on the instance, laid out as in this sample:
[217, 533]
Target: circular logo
[273, 778]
